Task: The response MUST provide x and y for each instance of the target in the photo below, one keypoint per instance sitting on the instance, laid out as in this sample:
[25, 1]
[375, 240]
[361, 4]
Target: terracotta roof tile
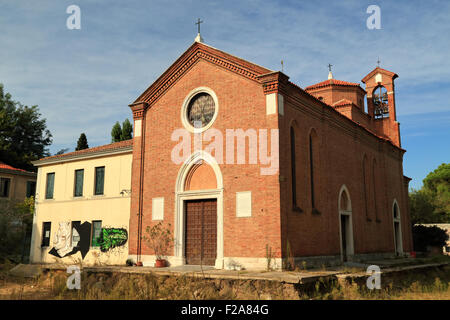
[106, 147]
[330, 82]
[342, 102]
[341, 115]
[381, 70]
[5, 166]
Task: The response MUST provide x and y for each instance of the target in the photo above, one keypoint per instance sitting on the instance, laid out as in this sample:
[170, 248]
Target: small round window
[201, 110]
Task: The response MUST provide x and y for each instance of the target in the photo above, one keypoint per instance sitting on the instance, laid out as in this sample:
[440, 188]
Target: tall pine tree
[116, 132]
[82, 143]
[127, 130]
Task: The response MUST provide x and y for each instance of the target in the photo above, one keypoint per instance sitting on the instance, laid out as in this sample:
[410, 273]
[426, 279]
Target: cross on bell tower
[330, 75]
[199, 37]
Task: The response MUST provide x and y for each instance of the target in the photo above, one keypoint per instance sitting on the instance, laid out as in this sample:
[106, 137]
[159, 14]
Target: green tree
[82, 143]
[431, 204]
[116, 132]
[421, 207]
[437, 184]
[127, 130]
[423, 237]
[16, 221]
[24, 136]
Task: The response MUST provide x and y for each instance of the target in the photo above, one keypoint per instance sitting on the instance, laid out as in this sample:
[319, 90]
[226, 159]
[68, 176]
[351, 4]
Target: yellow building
[16, 184]
[83, 206]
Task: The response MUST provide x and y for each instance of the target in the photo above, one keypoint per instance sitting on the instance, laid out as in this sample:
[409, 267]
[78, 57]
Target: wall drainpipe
[141, 189]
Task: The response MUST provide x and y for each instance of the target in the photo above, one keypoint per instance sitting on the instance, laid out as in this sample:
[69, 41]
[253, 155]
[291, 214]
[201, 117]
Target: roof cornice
[18, 173]
[83, 156]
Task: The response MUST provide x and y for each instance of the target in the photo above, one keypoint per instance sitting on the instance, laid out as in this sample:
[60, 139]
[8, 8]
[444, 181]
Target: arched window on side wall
[375, 180]
[365, 171]
[312, 169]
[294, 172]
[398, 243]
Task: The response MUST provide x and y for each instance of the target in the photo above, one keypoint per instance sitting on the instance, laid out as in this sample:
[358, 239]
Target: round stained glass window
[201, 110]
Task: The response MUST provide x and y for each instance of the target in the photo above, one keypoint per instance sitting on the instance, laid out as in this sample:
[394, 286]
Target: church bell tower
[381, 103]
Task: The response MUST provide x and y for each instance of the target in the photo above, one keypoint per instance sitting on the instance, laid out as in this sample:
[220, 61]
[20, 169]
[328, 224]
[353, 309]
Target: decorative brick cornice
[138, 109]
[196, 52]
[273, 82]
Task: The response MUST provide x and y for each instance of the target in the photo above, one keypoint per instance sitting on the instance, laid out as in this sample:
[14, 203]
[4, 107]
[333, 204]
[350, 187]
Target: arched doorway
[398, 243]
[199, 212]
[345, 224]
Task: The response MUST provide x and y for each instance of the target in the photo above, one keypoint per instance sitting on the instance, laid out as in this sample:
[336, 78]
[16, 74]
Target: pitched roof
[5, 166]
[195, 52]
[380, 70]
[116, 146]
[343, 116]
[330, 82]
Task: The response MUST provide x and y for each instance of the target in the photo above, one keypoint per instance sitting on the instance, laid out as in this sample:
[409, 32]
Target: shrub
[159, 238]
[428, 236]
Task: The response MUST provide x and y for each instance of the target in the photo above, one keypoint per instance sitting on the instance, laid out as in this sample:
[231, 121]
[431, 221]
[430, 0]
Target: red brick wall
[334, 93]
[241, 105]
[339, 148]
[342, 148]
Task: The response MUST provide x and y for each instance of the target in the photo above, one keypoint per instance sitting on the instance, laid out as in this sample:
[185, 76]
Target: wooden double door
[201, 231]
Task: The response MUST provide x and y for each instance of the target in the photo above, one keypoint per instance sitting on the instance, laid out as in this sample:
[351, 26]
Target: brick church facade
[333, 190]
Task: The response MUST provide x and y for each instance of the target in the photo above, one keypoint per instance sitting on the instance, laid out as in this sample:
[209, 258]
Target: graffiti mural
[73, 237]
[70, 240]
[111, 238]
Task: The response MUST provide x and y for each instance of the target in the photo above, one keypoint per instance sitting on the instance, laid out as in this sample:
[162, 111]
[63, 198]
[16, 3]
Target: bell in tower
[381, 103]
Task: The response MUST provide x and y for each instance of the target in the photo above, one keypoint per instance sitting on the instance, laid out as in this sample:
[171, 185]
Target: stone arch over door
[398, 240]
[345, 224]
[190, 187]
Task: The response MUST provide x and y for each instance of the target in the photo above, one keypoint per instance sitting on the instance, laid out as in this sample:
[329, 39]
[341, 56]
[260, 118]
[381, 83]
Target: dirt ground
[429, 284]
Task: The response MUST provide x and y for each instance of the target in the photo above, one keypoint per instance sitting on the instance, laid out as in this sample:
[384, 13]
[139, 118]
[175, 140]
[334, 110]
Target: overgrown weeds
[433, 283]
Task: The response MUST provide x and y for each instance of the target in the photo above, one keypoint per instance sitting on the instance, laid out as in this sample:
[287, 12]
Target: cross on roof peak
[198, 38]
[330, 75]
[198, 24]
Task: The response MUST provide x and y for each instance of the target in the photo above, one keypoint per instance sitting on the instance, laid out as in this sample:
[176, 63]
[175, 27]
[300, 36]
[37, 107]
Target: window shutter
[99, 180]
[79, 183]
[96, 233]
[50, 185]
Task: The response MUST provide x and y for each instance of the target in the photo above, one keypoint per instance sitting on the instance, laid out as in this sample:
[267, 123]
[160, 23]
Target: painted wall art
[112, 238]
[73, 237]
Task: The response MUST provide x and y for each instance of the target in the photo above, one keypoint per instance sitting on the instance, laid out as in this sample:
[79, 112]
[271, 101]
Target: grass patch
[431, 283]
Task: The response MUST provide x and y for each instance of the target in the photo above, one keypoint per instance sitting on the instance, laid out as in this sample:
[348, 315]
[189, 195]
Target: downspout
[141, 189]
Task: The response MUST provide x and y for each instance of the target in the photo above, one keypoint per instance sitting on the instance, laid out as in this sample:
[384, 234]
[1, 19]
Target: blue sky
[83, 80]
